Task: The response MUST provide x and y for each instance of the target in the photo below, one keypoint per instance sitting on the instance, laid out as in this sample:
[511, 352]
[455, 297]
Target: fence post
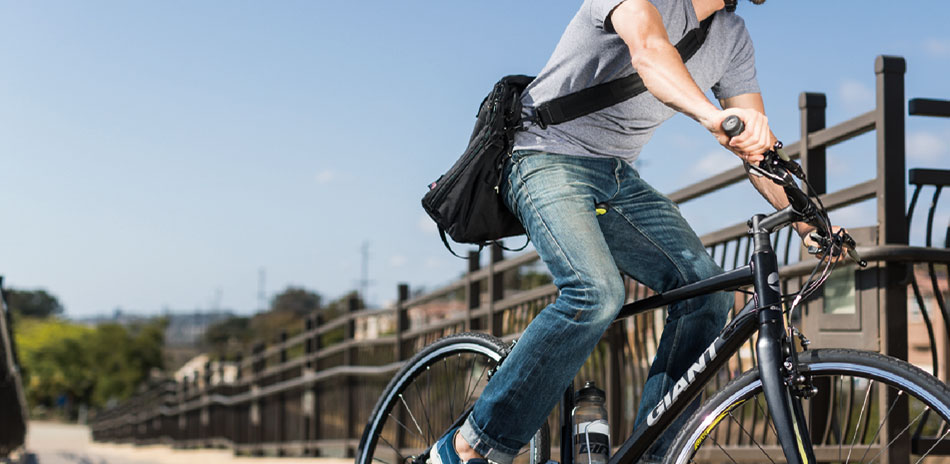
[402, 320]
[892, 227]
[182, 431]
[204, 414]
[307, 401]
[220, 412]
[812, 106]
[280, 410]
[349, 359]
[473, 290]
[236, 438]
[317, 418]
[258, 363]
[496, 289]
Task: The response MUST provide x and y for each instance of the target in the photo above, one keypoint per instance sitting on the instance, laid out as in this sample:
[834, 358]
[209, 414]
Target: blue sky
[157, 155]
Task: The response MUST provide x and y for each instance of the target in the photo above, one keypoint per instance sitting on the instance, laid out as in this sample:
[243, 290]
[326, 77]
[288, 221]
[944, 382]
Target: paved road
[50, 443]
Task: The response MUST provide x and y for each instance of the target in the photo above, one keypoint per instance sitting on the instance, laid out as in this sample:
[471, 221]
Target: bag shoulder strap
[445, 241]
[600, 96]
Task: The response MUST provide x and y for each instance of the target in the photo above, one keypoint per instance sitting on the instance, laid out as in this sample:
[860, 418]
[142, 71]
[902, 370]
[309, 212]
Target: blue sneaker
[443, 451]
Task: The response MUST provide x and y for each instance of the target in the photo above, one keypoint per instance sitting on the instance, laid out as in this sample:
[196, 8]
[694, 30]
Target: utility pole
[261, 294]
[364, 273]
[216, 302]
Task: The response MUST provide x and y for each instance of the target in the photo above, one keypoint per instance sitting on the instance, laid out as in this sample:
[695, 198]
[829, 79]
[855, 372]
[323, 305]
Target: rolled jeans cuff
[485, 446]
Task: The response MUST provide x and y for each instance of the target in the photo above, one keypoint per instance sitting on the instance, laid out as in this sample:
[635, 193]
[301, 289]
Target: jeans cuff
[485, 446]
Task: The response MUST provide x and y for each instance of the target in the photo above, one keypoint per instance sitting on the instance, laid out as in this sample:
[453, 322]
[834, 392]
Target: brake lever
[847, 242]
[852, 253]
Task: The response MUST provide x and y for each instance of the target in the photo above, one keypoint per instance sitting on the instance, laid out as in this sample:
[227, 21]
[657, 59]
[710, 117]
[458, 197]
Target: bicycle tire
[424, 392]
[845, 379]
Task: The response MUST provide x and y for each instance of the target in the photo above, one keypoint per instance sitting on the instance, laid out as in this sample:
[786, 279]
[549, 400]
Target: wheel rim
[848, 420]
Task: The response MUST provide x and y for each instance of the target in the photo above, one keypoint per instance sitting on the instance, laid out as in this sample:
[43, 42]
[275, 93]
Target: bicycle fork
[785, 408]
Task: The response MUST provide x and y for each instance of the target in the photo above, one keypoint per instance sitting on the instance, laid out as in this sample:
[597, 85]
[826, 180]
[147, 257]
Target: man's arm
[660, 66]
[770, 190]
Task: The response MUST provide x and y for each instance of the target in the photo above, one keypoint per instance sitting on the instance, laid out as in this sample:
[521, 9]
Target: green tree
[53, 361]
[222, 339]
[299, 301]
[335, 309]
[287, 313]
[32, 303]
[66, 364]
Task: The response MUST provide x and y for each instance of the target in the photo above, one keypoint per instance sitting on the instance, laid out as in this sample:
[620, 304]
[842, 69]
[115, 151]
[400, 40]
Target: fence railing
[311, 394]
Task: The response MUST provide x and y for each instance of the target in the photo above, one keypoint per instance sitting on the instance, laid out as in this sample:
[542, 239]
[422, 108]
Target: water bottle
[591, 433]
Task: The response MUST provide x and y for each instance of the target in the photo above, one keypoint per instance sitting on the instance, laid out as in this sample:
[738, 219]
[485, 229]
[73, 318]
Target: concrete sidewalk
[52, 443]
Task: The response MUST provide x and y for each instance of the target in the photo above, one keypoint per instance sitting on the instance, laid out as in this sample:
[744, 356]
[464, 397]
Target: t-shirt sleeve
[600, 10]
[739, 77]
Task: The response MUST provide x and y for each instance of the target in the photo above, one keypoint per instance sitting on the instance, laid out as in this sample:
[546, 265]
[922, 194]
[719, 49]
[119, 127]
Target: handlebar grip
[732, 126]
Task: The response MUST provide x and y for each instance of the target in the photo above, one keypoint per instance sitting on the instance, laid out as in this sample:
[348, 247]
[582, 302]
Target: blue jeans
[643, 235]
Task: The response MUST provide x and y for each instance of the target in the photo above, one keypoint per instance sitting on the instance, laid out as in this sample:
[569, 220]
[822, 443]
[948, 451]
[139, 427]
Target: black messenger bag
[465, 202]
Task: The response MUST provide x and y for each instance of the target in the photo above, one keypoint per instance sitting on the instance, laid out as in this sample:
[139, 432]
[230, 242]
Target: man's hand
[809, 242]
[753, 142]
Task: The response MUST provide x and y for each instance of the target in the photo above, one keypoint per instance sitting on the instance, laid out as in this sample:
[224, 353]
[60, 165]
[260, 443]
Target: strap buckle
[534, 117]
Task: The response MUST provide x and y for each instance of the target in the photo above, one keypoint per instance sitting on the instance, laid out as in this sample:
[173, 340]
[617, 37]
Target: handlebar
[732, 126]
[782, 170]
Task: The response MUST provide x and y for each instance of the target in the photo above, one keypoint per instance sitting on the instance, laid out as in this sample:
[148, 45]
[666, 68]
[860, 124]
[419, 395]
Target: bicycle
[419, 404]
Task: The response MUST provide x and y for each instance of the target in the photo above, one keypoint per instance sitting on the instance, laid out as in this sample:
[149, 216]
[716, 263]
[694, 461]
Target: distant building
[195, 370]
[187, 330]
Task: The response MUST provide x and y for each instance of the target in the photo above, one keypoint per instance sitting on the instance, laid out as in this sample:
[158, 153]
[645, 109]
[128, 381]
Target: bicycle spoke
[849, 414]
[411, 415]
[716, 442]
[883, 421]
[858, 423]
[936, 442]
[404, 426]
[425, 411]
[401, 457]
[468, 382]
[450, 386]
[485, 369]
[751, 437]
[766, 415]
[926, 408]
[428, 386]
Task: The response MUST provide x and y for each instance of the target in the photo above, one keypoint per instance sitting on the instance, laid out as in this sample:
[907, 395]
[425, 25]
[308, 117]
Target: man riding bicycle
[558, 173]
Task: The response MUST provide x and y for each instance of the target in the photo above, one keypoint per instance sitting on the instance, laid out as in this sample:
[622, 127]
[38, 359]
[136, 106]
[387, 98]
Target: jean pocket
[518, 155]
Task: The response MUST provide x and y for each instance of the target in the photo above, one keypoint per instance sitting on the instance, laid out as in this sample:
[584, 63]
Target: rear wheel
[869, 408]
[432, 393]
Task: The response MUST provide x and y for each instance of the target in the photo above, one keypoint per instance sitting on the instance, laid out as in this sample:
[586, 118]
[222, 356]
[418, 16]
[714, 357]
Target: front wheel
[868, 408]
[432, 393]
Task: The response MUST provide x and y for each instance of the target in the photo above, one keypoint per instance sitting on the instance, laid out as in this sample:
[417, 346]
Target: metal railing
[306, 396]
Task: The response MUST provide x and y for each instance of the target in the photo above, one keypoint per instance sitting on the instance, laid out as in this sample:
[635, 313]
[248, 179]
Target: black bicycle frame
[763, 313]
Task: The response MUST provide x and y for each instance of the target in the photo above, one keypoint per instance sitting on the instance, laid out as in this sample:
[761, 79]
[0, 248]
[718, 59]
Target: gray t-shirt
[588, 54]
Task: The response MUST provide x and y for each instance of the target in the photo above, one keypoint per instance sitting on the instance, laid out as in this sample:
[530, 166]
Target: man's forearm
[775, 195]
[664, 74]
